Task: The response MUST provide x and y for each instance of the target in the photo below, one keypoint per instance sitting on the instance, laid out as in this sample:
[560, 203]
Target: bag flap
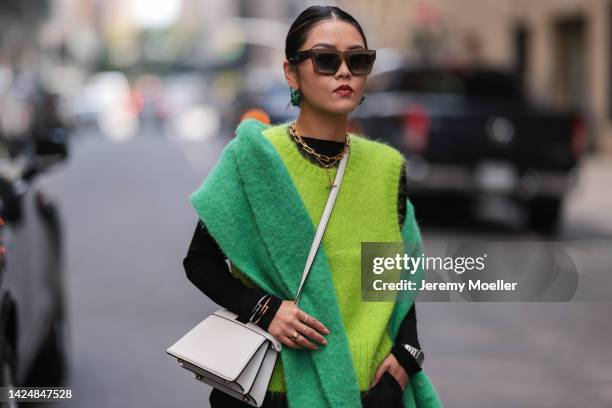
[232, 316]
[219, 344]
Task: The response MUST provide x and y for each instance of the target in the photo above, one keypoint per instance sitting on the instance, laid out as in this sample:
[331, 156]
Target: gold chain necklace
[326, 161]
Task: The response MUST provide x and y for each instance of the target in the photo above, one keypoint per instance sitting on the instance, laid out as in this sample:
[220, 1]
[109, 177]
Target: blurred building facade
[562, 47]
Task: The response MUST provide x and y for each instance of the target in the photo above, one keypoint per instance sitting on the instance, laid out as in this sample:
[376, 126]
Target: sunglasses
[327, 61]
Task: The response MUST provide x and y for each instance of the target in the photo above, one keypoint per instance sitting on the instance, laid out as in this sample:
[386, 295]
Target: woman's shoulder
[250, 127]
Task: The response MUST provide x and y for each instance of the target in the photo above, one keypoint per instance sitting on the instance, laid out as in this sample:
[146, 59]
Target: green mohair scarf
[251, 207]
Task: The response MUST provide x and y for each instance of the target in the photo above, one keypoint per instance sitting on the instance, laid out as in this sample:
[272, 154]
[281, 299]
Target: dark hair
[301, 27]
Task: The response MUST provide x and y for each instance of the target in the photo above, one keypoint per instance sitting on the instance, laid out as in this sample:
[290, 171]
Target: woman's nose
[343, 70]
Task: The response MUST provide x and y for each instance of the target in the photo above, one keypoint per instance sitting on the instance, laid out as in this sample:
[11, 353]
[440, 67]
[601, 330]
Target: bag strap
[323, 223]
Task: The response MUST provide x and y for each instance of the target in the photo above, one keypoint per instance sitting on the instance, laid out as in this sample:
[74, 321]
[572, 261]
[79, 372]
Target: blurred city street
[130, 227]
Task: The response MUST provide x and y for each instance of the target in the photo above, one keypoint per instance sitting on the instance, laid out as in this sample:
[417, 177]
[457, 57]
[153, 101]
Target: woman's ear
[291, 75]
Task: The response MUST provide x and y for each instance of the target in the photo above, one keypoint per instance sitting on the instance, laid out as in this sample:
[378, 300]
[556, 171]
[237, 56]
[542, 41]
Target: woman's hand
[395, 369]
[289, 320]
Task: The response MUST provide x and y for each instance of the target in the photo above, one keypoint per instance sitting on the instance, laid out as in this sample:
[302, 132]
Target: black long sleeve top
[207, 268]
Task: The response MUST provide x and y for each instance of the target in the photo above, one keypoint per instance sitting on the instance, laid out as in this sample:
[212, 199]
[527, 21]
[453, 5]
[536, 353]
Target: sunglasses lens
[327, 63]
[360, 63]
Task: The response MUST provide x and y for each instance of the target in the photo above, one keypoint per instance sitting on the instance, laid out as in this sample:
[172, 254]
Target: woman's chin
[342, 107]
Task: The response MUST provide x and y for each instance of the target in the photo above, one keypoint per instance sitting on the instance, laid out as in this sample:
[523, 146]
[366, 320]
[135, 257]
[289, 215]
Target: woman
[334, 343]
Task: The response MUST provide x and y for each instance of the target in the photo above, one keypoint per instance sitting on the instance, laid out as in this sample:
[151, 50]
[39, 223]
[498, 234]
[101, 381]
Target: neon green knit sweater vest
[365, 210]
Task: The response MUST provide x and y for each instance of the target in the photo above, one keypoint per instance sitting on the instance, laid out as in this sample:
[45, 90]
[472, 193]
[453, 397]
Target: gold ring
[296, 335]
[304, 329]
[306, 318]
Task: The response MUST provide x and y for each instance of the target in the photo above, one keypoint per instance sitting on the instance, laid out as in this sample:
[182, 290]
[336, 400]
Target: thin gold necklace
[326, 161]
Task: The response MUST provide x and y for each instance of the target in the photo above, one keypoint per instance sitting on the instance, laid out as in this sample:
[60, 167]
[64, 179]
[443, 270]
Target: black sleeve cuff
[407, 333]
[273, 306]
[406, 360]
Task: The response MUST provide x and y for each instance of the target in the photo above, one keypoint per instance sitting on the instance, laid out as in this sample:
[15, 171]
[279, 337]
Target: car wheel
[544, 215]
[8, 372]
[58, 356]
[51, 365]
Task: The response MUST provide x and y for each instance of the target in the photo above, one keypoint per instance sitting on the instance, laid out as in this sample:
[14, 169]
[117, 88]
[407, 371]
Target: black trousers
[386, 393]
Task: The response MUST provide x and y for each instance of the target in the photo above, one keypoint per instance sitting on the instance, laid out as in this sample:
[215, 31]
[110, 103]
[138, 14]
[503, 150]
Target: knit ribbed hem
[277, 381]
[368, 353]
[367, 357]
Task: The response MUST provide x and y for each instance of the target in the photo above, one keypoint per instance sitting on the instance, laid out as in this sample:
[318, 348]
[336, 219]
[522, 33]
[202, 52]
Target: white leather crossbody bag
[238, 358]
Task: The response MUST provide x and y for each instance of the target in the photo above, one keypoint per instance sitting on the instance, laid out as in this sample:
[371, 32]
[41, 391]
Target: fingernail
[325, 342]
[326, 331]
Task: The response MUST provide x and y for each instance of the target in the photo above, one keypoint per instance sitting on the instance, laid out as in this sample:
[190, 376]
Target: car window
[491, 83]
[470, 83]
[430, 82]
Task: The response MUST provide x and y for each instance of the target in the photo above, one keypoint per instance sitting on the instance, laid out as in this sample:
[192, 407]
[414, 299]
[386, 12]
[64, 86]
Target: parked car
[106, 103]
[272, 99]
[33, 340]
[189, 106]
[472, 132]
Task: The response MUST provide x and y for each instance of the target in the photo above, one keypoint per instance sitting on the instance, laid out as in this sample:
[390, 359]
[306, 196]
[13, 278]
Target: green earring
[362, 98]
[296, 97]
